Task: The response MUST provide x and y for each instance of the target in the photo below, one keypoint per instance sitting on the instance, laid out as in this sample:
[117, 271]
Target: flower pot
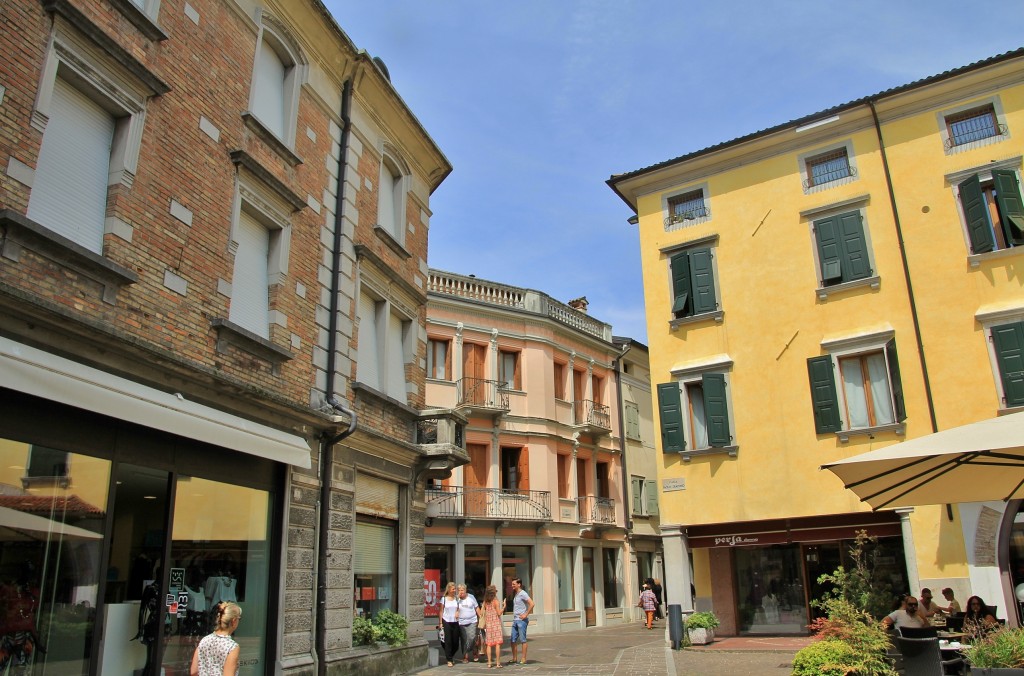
[701, 636]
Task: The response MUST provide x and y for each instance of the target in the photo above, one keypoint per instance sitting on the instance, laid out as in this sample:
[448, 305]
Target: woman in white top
[450, 621]
[217, 654]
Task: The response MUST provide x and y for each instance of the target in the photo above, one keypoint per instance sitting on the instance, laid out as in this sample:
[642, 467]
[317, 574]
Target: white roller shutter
[366, 366]
[386, 208]
[396, 359]
[250, 287]
[268, 99]
[69, 191]
[376, 497]
[375, 549]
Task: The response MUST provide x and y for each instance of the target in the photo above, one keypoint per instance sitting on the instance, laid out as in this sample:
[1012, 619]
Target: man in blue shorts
[522, 606]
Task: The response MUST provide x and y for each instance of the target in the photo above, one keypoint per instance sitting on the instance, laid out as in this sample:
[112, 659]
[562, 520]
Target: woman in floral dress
[493, 631]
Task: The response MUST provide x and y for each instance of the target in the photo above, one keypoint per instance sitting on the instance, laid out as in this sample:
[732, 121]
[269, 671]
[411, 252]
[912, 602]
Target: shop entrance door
[819, 559]
[133, 601]
[589, 609]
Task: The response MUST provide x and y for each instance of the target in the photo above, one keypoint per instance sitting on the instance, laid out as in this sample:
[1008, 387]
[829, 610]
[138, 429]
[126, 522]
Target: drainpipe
[327, 441]
[617, 365]
[906, 268]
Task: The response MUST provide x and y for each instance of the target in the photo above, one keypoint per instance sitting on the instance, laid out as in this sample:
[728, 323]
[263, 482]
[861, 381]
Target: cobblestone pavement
[631, 650]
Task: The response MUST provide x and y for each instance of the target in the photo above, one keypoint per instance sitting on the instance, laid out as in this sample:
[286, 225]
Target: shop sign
[668, 485]
[431, 592]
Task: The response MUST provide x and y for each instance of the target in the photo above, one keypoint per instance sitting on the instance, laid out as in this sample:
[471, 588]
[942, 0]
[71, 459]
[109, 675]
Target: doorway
[589, 608]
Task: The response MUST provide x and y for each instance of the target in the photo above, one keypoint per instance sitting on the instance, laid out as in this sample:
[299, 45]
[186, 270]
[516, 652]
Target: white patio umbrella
[972, 463]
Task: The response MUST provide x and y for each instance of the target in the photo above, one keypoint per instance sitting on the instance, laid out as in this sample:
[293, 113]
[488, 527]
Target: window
[1008, 344]
[439, 363]
[644, 496]
[391, 215]
[693, 283]
[694, 414]
[972, 125]
[603, 480]
[437, 571]
[688, 206]
[597, 389]
[612, 587]
[276, 80]
[842, 248]
[559, 380]
[871, 392]
[375, 566]
[566, 588]
[992, 210]
[90, 107]
[384, 345]
[515, 469]
[828, 166]
[261, 239]
[632, 421]
[508, 370]
[564, 462]
[516, 561]
[46, 467]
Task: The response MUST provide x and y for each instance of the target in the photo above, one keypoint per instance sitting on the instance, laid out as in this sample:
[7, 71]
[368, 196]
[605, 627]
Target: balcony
[482, 396]
[592, 415]
[498, 504]
[593, 509]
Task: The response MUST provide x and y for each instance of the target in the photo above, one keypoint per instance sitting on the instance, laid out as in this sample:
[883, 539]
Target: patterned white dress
[213, 652]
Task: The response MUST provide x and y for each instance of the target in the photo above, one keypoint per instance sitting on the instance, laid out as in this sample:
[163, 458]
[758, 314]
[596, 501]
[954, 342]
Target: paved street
[632, 650]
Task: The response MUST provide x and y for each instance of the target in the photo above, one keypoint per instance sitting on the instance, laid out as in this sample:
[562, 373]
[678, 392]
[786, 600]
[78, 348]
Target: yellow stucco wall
[766, 277]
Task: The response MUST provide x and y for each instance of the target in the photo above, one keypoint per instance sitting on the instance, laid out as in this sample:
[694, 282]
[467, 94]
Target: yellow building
[819, 289]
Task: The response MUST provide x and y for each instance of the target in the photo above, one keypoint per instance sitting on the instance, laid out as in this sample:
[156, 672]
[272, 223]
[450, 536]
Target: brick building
[213, 242]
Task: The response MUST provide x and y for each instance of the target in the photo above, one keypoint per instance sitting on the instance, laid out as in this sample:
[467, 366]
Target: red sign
[431, 592]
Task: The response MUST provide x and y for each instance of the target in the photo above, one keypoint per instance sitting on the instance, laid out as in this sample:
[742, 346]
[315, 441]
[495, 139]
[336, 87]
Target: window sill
[1010, 409]
[18, 232]
[390, 240]
[377, 394]
[717, 315]
[870, 432]
[975, 260]
[825, 291]
[229, 333]
[731, 451]
[270, 138]
[139, 19]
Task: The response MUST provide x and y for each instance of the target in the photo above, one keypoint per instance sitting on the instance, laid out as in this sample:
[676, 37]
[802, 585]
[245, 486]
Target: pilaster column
[676, 550]
[909, 551]
[457, 354]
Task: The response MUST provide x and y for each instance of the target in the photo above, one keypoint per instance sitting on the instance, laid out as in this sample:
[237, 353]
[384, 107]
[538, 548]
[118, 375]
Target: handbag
[481, 621]
[440, 633]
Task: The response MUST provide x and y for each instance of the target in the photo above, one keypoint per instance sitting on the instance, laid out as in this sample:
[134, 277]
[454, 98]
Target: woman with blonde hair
[492, 631]
[450, 622]
[217, 653]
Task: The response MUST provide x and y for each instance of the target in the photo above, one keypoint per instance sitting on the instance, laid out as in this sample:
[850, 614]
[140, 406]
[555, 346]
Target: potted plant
[386, 627]
[1000, 653]
[700, 627]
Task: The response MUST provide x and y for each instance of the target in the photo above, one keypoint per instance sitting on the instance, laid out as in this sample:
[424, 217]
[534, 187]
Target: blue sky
[537, 102]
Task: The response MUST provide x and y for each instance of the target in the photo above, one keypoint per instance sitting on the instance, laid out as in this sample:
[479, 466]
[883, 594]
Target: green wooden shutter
[895, 381]
[823, 395]
[702, 281]
[716, 410]
[651, 493]
[1011, 207]
[1009, 344]
[855, 263]
[670, 407]
[638, 498]
[681, 284]
[829, 250]
[979, 228]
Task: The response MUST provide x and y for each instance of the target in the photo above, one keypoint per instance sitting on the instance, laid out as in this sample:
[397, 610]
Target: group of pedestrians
[478, 626]
[650, 600]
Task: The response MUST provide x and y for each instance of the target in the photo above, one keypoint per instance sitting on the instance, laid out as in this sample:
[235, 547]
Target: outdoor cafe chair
[919, 632]
[922, 657]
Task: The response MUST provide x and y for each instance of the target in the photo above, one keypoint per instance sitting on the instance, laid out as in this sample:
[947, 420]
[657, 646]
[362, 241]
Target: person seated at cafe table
[928, 608]
[953, 607]
[907, 615]
[978, 618]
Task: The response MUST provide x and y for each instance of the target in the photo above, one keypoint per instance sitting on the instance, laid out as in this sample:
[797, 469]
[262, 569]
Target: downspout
[327, 440]
[617, 364]
[906, 268]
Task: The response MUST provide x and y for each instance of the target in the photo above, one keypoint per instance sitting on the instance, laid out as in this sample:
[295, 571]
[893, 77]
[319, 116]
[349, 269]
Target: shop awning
[42, 374]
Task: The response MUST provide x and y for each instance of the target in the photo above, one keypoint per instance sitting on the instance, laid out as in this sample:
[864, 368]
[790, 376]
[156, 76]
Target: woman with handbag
[449, 623]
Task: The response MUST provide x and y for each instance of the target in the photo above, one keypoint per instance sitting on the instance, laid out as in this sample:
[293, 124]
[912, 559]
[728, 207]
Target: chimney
[579, 304]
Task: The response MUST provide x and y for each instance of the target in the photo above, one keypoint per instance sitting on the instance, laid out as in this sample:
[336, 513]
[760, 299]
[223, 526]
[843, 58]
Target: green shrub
[362, 631]
[850, 642]
[391, 628]
[827, 657]
[1001, 648]
[702, 620]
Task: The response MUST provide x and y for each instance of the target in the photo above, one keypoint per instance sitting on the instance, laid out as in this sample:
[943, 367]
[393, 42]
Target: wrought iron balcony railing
[596, 510]
[587, 412]
[480, 393]
[457, 502]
